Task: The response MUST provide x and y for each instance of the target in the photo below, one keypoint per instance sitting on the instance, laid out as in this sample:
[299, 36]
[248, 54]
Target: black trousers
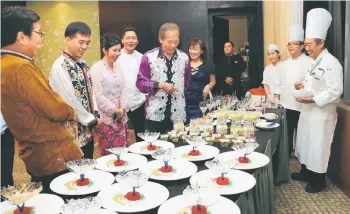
[163, 127]
[137, 118]
[46, 180]
[88, 149]
[292, 123]
[7, 156]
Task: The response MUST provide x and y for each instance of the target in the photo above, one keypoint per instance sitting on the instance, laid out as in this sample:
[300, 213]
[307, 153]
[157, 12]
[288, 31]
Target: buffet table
[260, 199]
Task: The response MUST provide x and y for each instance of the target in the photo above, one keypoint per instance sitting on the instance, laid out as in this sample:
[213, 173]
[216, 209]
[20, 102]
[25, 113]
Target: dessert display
[165, 155]
[195, 141]
[19, 194]
[219, 168]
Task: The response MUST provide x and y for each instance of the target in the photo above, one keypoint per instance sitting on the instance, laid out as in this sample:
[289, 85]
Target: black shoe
[314, 188]
[299, 176]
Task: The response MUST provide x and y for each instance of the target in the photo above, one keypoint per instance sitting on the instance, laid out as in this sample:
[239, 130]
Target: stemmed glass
[166, 155]
[199, 197]
[264, 104]
[119, 151]
[81, 167]
[89, 205]
[19, 194]
[195, 141]
[203, 107]
[134, 179]
[149, 137]
[246, 149]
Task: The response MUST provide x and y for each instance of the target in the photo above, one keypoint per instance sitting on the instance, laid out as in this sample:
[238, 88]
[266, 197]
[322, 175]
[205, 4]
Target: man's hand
[298, 85]
[229, 80]
[167, 87]
[306, 100]
[277, 96]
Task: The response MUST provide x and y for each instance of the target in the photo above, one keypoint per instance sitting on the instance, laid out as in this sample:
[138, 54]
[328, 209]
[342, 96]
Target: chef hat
[273, 47]
[296, 32]
[317, 23]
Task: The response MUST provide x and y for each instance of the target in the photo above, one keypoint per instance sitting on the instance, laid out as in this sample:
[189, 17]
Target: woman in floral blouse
[108, 90]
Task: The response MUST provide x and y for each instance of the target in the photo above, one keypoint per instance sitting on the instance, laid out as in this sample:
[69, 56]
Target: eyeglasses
[40, 33]
[293, 44]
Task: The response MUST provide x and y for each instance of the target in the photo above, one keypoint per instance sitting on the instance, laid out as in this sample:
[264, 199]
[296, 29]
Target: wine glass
[265, 103]
[203, 107]
[20, 193]
[89, 205]
[81, 167]
[133, 179]
[200, 196]
[119, 151]
[149, 137]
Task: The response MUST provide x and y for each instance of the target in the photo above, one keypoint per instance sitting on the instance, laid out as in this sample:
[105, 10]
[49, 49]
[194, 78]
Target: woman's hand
[206, 90]
[120, 113]
[167, 87]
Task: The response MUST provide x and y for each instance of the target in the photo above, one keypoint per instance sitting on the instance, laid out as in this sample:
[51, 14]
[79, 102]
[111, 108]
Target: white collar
[324, 52]
[16, 53]
[124, 52]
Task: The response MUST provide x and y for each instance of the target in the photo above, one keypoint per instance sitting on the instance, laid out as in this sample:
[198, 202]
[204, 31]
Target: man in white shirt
[7, 154]
[70, 78]
[318, 117]
[290, 71]
[129, 63]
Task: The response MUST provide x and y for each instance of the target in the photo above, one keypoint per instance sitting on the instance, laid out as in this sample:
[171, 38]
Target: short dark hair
[109, 40]
[77, 27]
[15, 19]
[230, 43]
[195, 41]
[127, 29]
[318, 41]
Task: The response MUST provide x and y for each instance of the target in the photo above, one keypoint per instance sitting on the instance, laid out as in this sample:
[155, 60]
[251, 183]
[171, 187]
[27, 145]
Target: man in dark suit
[228, 70]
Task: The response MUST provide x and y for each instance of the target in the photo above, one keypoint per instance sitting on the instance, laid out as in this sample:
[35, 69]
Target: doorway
[244, 27]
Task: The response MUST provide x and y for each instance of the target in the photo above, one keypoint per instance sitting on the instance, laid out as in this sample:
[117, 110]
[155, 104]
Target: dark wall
[13, 3]
[147, 17]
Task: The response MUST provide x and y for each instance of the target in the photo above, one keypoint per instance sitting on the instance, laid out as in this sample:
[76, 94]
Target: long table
[248, 203]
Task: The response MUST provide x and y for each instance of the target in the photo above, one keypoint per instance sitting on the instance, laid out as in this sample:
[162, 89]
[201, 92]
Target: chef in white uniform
[270, 75]
[290, 71]
[318, 116]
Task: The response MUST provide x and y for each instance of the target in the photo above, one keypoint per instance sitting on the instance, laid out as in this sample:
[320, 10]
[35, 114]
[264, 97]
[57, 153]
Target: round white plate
[99, 178]
[43, 203]
[206, 152]
[240, 181]
[153, 195]
[265, 125]
[256, 159]
[104, 211]
[177, 204]
[270, 116]
[141, 147]
[134, 161]
[181, 169]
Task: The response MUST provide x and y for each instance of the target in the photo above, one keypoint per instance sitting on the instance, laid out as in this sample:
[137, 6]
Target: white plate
[104, 211]
[270, 116]
[183, 169]
[134, 161]
[154, 195]
[100, 180]
[264, 125]
[256, 159]
[301, 93]
[176, 204]
[206, 152]
[43, 203]
[240, 181]
[140, 147]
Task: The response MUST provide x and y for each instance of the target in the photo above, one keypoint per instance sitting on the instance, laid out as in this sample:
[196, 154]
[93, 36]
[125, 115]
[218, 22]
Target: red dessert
[26, 210]
[131, 197]
[243, 160]
[202, 210]
[84, 182]
[151, 147]
[194, 153]
[221, 181]
[119, 163]
[166, 169]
